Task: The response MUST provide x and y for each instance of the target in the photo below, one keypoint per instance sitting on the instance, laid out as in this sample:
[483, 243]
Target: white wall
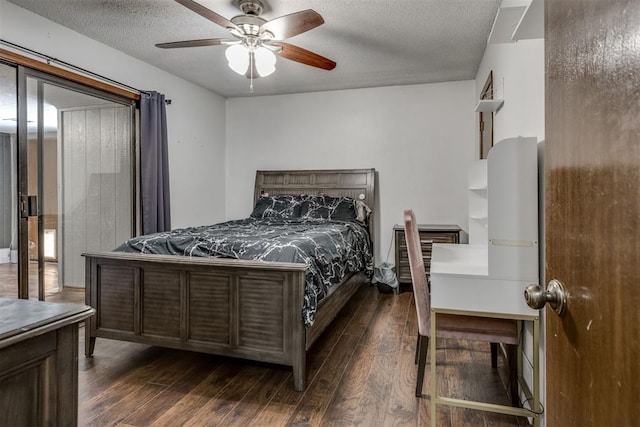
[518, 78]
[419, 138]
[196, 117]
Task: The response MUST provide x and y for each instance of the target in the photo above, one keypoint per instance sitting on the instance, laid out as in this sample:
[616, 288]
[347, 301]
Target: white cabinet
[513, 209]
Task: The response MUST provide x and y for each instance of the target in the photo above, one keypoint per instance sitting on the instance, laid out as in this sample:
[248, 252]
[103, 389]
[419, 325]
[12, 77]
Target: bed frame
[237, 308]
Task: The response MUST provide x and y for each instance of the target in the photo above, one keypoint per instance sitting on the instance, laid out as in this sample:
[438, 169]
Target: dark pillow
[277, 207]
[326, 207]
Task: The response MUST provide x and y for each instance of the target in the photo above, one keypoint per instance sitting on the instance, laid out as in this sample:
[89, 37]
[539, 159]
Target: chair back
[418, 273]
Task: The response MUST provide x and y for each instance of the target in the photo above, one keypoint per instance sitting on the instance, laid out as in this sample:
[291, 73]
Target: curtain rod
[50, 59]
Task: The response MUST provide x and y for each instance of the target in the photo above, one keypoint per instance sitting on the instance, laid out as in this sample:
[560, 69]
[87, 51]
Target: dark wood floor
[9, 280]
[361, 372]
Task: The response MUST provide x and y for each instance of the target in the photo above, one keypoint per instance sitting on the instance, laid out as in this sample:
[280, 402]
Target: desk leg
[535, 407]
[536, 371]
[434, 382]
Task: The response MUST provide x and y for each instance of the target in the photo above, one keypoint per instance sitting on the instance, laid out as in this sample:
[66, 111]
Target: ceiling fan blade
[293, 24]
[207, 13]
[192, 43]
[304, 56]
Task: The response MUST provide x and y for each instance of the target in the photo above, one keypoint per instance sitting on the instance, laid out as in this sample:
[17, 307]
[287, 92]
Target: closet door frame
[24, 73]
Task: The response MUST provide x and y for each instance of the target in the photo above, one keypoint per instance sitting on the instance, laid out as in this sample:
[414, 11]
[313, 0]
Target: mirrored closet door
[69, 184]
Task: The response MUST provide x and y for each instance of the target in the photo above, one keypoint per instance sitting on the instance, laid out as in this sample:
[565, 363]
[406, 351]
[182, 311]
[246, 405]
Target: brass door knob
[555, 296]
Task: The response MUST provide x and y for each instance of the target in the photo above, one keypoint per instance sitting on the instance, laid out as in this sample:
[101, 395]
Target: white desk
[460, 284]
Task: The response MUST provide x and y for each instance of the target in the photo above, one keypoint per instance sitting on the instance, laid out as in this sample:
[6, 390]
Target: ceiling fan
[256, 41]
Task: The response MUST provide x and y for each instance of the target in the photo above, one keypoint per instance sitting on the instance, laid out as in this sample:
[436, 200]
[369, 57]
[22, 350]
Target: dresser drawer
[429, 234]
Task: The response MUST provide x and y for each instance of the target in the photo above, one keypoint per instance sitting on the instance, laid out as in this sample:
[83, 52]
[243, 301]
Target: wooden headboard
[353, 183]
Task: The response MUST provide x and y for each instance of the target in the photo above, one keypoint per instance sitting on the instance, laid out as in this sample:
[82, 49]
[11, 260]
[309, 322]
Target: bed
[244, 308]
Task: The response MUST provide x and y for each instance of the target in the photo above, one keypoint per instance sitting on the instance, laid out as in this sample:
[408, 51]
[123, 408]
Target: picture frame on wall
[486, 119]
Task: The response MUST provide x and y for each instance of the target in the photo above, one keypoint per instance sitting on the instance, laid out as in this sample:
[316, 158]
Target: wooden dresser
[39, 362]
[429, 234]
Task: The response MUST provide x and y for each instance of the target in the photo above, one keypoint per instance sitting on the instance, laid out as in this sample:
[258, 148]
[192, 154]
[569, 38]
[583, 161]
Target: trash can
[384, 277]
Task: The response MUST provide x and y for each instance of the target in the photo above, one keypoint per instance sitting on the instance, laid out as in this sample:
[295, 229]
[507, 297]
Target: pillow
[326, 207]
[362, 212]
[277, 207]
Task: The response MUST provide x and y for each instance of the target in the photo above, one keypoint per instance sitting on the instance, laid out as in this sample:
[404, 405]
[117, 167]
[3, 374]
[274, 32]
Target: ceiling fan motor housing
[251, 7]
[249, 24]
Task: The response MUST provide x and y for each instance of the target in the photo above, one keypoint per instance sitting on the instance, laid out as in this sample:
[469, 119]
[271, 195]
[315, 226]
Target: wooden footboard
[245, 309]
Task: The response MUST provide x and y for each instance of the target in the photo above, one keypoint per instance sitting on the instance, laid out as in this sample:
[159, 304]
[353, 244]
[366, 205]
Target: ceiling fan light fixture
[238, 57]
[256, 41]
[265, 61]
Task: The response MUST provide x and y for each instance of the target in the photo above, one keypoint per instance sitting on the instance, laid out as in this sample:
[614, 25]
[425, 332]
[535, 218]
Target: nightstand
[429, 234]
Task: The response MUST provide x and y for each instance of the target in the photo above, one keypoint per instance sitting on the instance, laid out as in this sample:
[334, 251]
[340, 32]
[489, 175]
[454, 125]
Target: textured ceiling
[374, 42]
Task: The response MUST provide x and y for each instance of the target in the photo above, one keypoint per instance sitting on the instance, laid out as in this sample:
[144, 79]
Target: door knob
[555, 295]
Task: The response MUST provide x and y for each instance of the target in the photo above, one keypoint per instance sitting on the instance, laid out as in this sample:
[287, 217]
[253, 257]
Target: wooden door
[592, 207]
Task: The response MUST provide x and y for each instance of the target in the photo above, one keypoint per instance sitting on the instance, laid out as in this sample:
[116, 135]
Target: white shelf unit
[521, 22]
[503, 229]
[478, 209]
[505, 24]
[487, 105]
[531, 25]
[513, 209]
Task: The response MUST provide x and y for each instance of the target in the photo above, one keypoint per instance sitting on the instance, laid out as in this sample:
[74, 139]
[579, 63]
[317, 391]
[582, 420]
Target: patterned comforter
[330, 248]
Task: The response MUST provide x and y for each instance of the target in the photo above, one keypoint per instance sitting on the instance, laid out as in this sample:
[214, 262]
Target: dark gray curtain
[154, 164]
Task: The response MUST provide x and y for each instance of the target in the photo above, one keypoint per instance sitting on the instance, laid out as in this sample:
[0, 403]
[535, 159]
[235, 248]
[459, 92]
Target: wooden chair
[471, 328]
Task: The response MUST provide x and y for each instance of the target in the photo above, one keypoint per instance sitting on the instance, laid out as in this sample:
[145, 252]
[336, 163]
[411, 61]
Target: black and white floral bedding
[331, 247]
